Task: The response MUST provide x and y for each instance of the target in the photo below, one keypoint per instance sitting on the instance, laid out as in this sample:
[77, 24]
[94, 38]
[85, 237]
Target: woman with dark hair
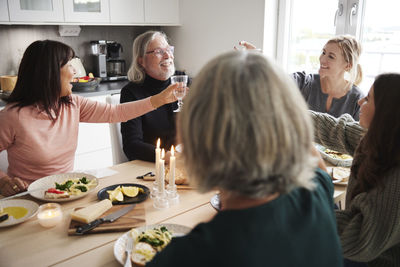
[369, 227]
[39, 125]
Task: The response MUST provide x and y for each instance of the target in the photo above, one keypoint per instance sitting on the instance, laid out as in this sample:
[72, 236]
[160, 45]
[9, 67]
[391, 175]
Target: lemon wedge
[130, 191]
[116, 194]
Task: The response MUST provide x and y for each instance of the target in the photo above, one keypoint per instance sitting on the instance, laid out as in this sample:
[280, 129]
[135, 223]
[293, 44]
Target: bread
[180, 176]
[341, 173]
[58, 195]
[142, 253]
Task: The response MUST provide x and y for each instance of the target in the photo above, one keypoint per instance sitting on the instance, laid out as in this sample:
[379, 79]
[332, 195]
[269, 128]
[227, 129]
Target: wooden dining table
[30, 244]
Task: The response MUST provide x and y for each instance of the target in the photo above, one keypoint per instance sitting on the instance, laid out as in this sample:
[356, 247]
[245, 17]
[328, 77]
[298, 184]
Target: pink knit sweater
[37, 147]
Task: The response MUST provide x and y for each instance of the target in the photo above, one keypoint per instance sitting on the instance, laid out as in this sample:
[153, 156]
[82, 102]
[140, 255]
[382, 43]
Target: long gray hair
[245, 128]
[136, 73]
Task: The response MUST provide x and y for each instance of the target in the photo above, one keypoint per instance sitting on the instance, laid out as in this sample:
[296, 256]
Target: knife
[23, 193]
[109, 218]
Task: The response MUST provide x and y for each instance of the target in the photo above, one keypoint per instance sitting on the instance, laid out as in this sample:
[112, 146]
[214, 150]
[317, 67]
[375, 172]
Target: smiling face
[160, 66]
[332, 62]
[367, 109]
[67, 72]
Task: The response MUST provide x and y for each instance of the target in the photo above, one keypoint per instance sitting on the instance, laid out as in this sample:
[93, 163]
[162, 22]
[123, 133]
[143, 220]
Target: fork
[128, 250]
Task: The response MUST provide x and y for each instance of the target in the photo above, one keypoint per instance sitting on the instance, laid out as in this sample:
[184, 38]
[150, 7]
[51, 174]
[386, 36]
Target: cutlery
[147, 176]
[128, 249]
[109, 218]
[23, 193]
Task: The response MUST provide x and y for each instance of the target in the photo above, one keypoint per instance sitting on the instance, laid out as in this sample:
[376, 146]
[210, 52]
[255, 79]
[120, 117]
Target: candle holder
[172, 194]
[160, 201]
[49, 214]
[154, 190]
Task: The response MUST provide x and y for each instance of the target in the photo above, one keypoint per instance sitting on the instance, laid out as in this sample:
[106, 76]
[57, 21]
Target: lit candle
[158, 150]
[49, 214]
[172, 168]
[161, 173]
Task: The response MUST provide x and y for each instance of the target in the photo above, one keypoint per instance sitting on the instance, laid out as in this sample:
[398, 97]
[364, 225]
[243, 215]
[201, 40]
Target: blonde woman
[276, 208]
[334, 89]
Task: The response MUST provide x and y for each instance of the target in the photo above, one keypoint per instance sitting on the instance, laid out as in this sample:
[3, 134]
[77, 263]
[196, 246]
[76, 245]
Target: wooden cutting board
[133, 218]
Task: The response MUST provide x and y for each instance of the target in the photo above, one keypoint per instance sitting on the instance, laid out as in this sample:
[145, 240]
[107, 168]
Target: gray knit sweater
[369, 227]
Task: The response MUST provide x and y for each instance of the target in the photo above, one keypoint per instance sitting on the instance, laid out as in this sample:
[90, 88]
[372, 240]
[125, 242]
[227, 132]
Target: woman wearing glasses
[150, 72]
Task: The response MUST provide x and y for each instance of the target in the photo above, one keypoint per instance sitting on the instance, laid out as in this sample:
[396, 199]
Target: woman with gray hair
[246, 132]
[150, 72]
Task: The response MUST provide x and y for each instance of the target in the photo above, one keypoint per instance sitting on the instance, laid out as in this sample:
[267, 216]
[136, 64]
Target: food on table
[180, 176]
[118, 193]
[341, 173]
[3, 217]
[148, 243]
[84, 79]
[337, 155]
[53, 193]
[70, 187]
[92, 212]
[16, 212]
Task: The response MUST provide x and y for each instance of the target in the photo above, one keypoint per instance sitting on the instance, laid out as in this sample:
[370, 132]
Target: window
[308, 24]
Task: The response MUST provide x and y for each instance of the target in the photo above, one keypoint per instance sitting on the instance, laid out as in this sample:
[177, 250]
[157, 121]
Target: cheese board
[133, 218]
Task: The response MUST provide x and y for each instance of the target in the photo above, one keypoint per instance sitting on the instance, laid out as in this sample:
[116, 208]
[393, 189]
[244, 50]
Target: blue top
[296, 229]
[310, 87]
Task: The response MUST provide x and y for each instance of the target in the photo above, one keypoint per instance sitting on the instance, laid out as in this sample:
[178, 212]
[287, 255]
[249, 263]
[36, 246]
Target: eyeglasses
[162, 52]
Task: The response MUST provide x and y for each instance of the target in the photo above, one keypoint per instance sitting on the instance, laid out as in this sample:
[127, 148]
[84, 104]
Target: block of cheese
[92, 212]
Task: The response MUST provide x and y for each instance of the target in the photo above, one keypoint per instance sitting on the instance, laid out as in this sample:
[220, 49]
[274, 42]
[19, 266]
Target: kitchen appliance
[108, 64]
[115, 64]
[99, 52]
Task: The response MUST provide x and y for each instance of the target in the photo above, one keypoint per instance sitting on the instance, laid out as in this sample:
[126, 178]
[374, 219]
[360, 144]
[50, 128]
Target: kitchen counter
[106, 88]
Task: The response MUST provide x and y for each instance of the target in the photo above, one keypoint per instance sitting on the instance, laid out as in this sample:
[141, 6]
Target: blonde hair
[351, 51]
[245, 128]
[136, 72]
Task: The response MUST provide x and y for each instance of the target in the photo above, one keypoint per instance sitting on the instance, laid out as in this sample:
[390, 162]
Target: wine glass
[180, 91]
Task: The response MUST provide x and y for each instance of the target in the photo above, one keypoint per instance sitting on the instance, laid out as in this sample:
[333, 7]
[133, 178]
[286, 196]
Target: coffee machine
[115, 64]
[108, 64]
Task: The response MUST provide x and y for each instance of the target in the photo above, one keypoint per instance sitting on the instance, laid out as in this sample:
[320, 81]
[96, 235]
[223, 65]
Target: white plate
[334, 161]
[49, 182]
[31, 206]
[119, 245]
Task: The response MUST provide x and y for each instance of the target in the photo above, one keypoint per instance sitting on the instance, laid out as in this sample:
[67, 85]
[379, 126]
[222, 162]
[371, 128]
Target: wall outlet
[69, 30]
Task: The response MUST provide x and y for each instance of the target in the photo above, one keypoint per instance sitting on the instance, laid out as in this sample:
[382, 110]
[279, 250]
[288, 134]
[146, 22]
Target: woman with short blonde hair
[246, 132]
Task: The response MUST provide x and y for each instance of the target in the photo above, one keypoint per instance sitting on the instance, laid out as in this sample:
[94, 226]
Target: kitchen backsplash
[15, 39]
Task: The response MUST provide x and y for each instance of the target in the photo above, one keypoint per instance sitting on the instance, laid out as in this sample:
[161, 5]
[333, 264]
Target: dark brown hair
[379, 150]
[39, 77]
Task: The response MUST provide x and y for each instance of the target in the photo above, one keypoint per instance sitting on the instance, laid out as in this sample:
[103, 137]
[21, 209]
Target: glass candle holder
[49, 214]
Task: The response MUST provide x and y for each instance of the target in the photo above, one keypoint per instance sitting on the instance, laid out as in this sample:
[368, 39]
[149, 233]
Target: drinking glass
[179, 92]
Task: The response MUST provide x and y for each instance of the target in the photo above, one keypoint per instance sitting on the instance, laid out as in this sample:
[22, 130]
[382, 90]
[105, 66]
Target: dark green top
[296, 229]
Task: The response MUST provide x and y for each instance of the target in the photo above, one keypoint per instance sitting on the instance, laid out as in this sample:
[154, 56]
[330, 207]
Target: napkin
[99, 173]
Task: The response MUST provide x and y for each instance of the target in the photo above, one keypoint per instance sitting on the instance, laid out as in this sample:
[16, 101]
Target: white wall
[210, 27]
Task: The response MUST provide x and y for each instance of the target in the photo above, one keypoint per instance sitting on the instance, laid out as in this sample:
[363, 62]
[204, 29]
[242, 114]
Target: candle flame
[158, 143]
[162, 153]
[172, 150]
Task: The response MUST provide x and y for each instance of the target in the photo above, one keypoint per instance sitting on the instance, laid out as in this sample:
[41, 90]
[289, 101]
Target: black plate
[215, 203]
[102, 194]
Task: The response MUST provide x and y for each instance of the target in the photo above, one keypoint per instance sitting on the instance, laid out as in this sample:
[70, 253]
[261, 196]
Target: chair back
[118, 154]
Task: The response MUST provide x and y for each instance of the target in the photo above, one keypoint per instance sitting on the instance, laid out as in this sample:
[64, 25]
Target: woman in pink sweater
[39, 125]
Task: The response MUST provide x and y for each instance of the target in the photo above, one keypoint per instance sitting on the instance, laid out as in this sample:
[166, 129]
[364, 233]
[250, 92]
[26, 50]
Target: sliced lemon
[116, 194]
[130, 191]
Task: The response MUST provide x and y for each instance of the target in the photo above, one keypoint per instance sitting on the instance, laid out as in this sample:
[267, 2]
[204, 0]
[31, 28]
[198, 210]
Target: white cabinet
[94, 144]
[36, 11]
[126, 11]
[161, 11]
[4, 11]
[80, 11]
[93, 12]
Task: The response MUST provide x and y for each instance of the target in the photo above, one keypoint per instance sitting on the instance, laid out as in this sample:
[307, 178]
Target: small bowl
[88, 86]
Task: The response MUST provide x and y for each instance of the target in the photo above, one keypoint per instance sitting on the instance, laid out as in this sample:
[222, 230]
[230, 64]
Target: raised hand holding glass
[180, 91]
